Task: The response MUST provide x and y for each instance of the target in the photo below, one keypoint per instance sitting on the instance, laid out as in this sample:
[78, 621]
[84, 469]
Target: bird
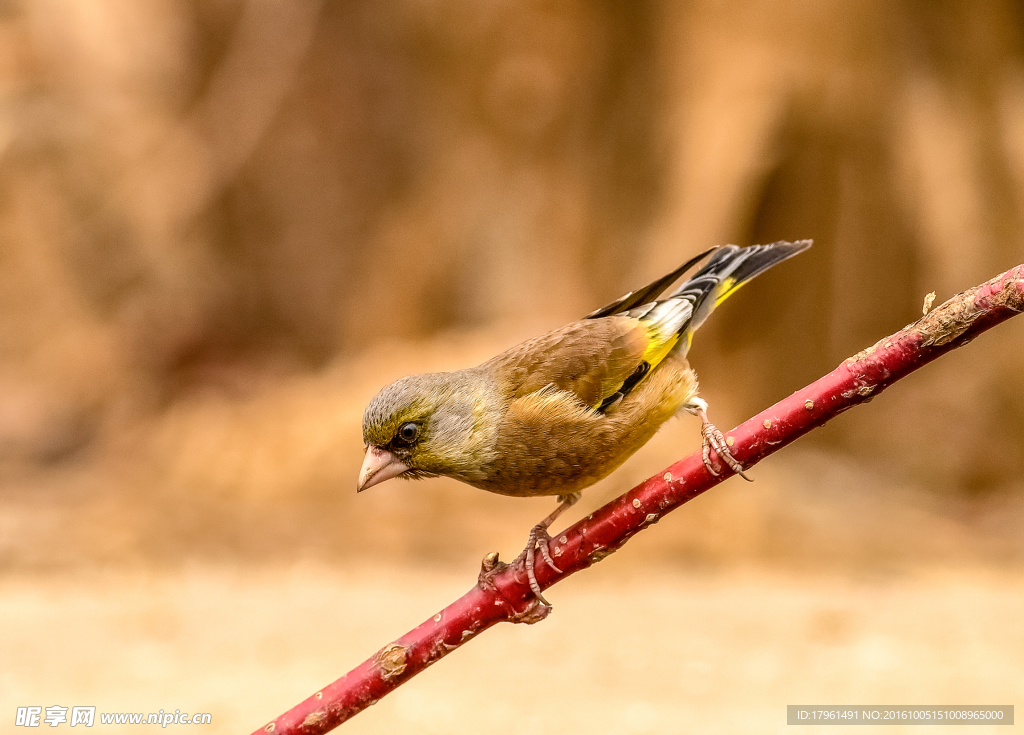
[558, 412]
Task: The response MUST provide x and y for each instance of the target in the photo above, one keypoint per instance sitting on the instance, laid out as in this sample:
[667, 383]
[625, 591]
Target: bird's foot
[535, 611]
[539, 539]
[713, 439]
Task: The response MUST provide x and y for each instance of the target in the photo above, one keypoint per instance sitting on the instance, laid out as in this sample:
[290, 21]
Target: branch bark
[507, 596]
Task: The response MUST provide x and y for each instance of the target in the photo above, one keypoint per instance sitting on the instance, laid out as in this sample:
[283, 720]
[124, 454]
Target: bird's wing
[601, 359]
[648, 293]
[590, 359]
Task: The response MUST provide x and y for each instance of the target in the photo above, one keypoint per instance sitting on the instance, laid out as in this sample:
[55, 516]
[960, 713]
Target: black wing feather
[647, 293]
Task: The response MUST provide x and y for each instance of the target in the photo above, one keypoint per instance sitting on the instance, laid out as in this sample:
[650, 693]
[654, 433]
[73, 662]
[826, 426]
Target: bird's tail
[672, 320]
[729, 268]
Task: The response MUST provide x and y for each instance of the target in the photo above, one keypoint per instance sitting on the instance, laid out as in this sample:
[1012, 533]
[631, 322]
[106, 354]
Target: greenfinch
[557, 413]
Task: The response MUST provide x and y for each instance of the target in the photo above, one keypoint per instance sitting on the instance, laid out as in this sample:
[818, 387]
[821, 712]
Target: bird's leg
[713, 439]
[539, 538]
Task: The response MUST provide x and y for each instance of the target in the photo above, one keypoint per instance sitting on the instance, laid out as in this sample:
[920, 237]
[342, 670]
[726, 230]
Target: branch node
[391, 661]
[490, 567]
[314, 718]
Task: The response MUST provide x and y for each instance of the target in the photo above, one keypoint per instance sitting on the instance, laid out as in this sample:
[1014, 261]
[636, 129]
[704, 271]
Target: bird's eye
[408, 433]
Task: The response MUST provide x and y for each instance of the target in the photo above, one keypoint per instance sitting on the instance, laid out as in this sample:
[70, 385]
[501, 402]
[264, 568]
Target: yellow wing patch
[658, 347]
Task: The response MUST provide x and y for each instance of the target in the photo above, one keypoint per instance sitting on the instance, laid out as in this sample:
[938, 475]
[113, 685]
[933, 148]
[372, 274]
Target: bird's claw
[491, 566]
[535, 612]
[544, 543]
[713, 439]
[539, 539]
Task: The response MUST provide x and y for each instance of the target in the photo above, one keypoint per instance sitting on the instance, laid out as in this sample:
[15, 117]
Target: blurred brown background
[224, 224]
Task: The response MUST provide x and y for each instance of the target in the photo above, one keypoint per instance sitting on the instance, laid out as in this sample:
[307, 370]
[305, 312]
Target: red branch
[508, 596]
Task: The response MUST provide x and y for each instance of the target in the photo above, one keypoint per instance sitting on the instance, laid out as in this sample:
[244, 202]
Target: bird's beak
[378, 465]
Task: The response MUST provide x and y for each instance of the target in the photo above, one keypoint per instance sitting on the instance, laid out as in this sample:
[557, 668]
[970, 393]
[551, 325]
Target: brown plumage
[559, 412]
[550, 440]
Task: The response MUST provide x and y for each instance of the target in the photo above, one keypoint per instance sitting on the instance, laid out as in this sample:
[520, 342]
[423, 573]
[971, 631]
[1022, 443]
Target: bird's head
[428, 425]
